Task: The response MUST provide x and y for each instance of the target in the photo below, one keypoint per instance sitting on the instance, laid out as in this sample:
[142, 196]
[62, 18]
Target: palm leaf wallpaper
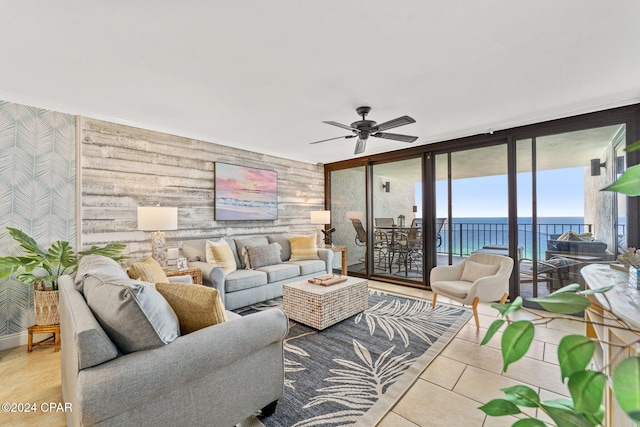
[37, 193]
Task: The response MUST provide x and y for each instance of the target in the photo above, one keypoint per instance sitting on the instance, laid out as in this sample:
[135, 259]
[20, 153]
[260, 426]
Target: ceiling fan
[363, 129]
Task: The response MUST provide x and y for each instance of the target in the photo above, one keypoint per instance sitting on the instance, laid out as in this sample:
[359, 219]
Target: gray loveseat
[215, 376]
[245, 287]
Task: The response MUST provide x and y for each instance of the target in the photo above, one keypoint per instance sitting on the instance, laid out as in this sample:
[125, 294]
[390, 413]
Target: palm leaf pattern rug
[353, 372]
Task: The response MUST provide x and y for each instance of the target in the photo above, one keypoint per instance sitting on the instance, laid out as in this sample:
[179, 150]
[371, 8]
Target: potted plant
[575, 352]
[41, 269]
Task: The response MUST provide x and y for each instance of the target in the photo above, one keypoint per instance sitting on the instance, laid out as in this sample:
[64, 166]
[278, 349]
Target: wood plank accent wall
[123, 167]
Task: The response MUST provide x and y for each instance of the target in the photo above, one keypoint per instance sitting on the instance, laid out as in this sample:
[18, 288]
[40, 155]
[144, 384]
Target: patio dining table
[394, 246]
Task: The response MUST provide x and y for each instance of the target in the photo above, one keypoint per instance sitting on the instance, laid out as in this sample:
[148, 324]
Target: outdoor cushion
[280, 271]
[196, 306]
[244, 279]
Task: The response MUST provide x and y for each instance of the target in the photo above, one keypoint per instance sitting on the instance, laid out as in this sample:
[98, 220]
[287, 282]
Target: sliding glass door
[348, 215]
[396, 191]
[565, 222]
[472, 203]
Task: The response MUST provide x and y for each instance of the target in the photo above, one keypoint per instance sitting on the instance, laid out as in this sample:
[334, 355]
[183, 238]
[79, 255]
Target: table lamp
[158, 219]
[320, 218]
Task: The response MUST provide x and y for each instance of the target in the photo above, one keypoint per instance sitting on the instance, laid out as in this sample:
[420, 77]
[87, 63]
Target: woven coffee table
[322, 306]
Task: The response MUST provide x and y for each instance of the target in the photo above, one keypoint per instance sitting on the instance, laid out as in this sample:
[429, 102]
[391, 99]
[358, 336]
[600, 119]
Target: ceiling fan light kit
[364, 128]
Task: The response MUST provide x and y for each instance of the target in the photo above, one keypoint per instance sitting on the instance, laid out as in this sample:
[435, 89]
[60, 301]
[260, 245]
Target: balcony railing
[467, 237]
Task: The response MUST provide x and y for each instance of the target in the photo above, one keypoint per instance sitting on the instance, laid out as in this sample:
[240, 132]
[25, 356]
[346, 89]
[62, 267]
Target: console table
[623, 301]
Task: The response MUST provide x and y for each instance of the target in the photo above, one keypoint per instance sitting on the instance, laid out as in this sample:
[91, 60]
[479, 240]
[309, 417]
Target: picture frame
[244, 193]
[181, 264]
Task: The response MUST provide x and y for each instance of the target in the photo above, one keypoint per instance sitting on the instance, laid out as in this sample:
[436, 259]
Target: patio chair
[555, 272]
[379, 245]
[479, 278]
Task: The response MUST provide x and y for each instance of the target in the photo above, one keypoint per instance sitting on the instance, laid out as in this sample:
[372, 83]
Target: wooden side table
[44, 329]
[196, 273]
[342, 249]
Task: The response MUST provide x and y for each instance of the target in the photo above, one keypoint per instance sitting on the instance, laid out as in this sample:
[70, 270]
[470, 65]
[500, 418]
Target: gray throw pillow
[283, 240]
[261, 256]
[247, 241]
[132, 313]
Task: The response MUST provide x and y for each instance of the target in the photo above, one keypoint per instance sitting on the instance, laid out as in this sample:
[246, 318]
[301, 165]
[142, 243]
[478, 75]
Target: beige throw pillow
[220, 255]
[148, 271]
[303, 247]
[196, 306]
[474, 270]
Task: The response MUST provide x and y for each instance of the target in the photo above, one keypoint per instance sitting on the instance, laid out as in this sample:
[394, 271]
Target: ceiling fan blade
[340, 125]
[400, 121]
[331, 139]
[395, 136]
[360, 146]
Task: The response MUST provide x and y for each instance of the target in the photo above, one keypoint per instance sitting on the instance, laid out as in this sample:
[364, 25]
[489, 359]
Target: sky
[560, 194]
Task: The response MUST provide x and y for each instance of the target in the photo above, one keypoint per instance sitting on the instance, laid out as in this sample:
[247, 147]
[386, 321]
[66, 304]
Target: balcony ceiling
[263, 75]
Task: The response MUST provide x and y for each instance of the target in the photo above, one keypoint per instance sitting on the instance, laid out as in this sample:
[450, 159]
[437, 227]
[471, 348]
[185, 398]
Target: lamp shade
[320, 217]
[156, 218]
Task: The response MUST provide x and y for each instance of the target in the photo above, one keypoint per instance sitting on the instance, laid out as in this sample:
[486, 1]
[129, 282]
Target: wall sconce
[595, 167]
[158, 219]
[386, 186]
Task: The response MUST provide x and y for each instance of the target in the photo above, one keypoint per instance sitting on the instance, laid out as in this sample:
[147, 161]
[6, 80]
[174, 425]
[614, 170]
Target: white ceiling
[263, 75]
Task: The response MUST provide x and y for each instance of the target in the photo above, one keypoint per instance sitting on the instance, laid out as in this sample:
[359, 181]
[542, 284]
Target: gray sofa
[215, 376]
[245, 287]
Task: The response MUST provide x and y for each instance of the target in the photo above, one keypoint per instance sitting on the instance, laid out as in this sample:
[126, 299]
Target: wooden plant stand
[44, 329]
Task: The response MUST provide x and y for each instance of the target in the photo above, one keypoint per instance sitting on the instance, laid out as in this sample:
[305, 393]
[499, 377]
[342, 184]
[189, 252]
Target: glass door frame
[628, 115]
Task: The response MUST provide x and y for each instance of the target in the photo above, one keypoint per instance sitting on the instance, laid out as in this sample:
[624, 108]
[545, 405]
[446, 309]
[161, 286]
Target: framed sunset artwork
[244, 193]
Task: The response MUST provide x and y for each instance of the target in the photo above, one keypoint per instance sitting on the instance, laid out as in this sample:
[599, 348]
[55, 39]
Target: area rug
[352, 373]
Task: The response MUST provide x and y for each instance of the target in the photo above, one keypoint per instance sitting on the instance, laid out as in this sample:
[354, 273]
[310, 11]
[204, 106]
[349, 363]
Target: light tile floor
[447, 393]
[466, 375]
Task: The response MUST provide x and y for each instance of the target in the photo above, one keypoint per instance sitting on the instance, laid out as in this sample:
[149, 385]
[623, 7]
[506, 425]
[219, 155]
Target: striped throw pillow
[219, 254]
[303, 247]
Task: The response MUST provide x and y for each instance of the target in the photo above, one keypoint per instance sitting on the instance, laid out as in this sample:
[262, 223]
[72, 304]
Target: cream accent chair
[479, 278]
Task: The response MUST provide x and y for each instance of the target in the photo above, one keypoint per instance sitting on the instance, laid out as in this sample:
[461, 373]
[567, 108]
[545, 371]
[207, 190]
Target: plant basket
[46, 307]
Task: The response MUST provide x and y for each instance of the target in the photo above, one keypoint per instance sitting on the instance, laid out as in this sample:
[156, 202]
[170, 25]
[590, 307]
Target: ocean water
[469, 234]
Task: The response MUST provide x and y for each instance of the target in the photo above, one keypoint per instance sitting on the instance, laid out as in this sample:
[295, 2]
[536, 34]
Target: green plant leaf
[499, 407]
[626, 386]
[508, 308]
[516, 339]
[522, 395]
[563, 303]
[587, 389]
[597, 290]
[574, 354]
[111, 250]
[26, 242]
[492, 330]
[628, 183]
[569, 288]
[633, 147]
[528, 422]
[564, 416]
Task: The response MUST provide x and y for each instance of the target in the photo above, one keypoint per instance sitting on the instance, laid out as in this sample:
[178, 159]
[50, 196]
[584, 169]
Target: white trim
[13, 340]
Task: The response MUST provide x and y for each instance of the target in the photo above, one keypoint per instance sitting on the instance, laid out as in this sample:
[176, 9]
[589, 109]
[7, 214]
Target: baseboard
[13, 340]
